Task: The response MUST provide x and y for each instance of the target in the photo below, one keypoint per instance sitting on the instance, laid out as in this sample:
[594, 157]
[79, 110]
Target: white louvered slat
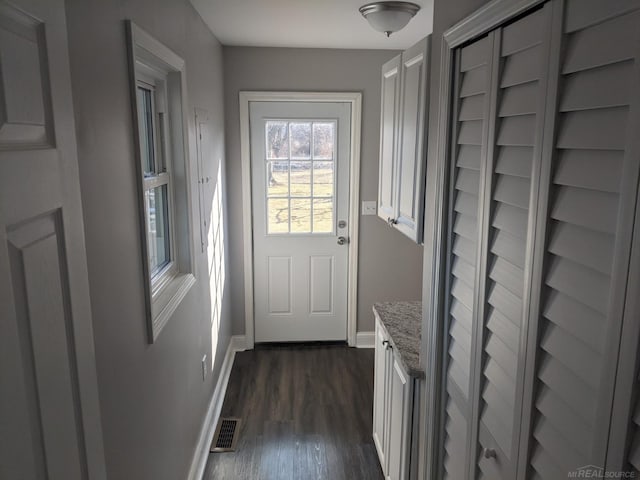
[563, 456]
[585, 323]
[570, 425]
[573, 354]
[522, 67]
[469, 157]
[508, 247]
[518, 130]
[511, 219]
[590, 169]
[503, 328]
[473, 82]
[519, 100]
[578, 244]
[600, 129]
[505, 302]
[514, 161]
[602, 44]
[579, 283]
[507, 274]
[587, 208]
[471, 108]
[470, 133]
[598, 88]
[512, 190]
[465, 226]
[585, 13]
[523, 34]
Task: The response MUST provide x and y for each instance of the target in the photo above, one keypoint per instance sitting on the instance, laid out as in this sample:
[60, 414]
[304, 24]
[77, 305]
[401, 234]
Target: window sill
[166, 301]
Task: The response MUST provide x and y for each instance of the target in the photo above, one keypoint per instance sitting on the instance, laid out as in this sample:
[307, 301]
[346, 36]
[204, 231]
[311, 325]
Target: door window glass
[300, 178]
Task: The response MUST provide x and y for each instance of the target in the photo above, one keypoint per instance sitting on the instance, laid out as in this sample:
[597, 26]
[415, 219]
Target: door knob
[342, 240]
[489, 453]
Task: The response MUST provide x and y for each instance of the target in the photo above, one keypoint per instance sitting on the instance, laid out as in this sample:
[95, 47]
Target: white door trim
[355, 99]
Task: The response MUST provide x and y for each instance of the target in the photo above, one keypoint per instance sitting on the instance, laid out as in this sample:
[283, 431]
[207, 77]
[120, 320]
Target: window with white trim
[157, 78]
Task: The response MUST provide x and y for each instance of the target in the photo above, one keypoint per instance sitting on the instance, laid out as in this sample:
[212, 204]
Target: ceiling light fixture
[389, 17]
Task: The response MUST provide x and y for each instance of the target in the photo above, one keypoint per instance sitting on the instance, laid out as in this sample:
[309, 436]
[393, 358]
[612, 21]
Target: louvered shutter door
[579, 309]
[522, 58]
[473, 83]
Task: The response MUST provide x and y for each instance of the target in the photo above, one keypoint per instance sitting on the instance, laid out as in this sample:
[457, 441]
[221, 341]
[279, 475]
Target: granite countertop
[403, 323]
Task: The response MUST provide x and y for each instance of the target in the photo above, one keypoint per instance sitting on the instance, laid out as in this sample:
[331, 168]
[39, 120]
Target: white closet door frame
[355, 99]
[487, 18]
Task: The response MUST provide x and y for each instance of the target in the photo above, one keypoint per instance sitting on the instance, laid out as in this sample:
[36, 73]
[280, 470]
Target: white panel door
[300, 199]
[49, 415]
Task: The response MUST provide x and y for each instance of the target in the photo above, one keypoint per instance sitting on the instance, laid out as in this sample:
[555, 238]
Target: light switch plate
[369, 207]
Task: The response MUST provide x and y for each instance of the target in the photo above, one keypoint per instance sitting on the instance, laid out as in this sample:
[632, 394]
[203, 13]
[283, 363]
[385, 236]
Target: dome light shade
[389, 17]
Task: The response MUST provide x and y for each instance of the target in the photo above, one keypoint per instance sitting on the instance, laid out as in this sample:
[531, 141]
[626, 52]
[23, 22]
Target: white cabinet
[382, 369]
[404, 87]
[392, 410]
[400, 415]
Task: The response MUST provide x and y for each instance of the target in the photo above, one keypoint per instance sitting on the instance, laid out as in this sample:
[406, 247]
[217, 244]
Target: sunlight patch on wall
[216, 264]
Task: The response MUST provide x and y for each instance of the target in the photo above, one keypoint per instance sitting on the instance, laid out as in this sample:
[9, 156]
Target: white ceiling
[306, 23]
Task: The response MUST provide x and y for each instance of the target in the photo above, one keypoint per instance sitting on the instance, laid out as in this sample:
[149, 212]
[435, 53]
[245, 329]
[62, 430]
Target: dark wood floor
[306, 414]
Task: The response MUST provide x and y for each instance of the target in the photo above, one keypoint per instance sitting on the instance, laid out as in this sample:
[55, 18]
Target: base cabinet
[392, 410]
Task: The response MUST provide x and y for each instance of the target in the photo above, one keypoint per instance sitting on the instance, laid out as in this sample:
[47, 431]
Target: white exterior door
[49, 415]
[300, 191]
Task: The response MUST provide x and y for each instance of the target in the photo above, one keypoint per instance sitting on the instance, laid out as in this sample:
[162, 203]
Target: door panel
[387, 194]
[300, 192]
[411, 164]
[380, 403]
[593, 189]
[399, 396]
[50, 420]
[516, 122]
[472, 82]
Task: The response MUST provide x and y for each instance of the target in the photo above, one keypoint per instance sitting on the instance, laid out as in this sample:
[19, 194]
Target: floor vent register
[226, 436]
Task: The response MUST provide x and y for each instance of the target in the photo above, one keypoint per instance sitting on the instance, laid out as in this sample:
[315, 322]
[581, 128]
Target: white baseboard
[365, 339]
[237, 343]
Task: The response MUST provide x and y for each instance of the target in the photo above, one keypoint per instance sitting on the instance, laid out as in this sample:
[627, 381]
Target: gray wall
[153, 399]
[390, 264]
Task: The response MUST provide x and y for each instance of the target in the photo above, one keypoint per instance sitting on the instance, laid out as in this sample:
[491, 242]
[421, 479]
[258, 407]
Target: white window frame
[154, 67]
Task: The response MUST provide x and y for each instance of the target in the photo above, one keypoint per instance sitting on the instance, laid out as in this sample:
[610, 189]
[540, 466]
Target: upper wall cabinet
[402, 140]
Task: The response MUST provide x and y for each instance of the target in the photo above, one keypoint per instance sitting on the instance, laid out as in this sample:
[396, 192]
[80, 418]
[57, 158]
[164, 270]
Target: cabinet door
[380, 395]
[387, 189]
[411, 141]
[401, 394]
[469, 148]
